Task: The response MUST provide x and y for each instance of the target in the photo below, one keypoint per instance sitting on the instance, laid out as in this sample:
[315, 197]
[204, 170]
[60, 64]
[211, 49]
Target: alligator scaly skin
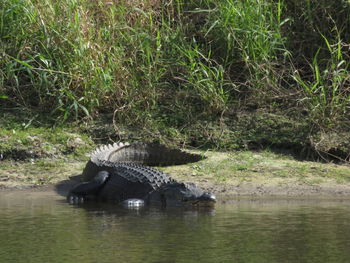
[131, 180]
[128, 178]
[136, 153]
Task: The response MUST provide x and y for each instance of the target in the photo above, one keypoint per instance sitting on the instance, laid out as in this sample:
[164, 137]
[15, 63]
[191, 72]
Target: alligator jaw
[206, 199]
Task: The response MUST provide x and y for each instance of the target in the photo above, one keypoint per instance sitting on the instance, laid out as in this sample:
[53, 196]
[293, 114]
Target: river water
[40, 227]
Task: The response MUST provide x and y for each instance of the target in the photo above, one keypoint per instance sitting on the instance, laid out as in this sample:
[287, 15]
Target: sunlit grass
[265, 166]
[164, 66]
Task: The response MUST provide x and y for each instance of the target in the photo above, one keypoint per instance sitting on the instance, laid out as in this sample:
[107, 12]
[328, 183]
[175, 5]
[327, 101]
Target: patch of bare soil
[24, 175]
[265, 175]
[287, 189]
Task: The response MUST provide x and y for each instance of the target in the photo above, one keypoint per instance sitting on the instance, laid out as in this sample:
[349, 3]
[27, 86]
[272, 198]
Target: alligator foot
[75, 199]
[133, 203]
[87, 190]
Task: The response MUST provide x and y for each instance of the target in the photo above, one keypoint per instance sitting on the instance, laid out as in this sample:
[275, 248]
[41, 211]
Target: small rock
[75, 142]
[4, 178]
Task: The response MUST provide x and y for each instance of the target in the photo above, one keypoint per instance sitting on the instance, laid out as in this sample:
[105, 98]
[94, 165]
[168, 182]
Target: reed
[172, 63]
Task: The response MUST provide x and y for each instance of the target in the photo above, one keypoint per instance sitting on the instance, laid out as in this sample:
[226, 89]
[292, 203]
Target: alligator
[120, 173]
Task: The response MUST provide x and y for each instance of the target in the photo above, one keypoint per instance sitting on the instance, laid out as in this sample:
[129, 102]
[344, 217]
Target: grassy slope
[210, 74]
[240, 173]
[41, 156]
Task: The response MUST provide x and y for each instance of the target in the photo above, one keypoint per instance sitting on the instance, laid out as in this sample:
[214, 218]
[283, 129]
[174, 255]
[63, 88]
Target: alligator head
[182, 194]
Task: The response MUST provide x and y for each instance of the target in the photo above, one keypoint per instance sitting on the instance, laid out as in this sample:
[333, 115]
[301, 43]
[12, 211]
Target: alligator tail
[144, 153]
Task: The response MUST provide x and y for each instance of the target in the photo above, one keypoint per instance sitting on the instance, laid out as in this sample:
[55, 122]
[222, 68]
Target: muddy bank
[226, 174]
[252, 190]
[276, 188]
[291, 190]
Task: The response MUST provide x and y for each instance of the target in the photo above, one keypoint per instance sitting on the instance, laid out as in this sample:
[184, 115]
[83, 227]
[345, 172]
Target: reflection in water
[42, 227]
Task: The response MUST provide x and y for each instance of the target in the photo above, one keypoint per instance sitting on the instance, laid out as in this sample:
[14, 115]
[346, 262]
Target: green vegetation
[226, 74]
[32, 156]
[35, 143]
[260, 168]
[38, 172]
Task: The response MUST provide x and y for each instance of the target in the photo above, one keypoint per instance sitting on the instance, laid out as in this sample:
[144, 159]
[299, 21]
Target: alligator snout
[206, 199]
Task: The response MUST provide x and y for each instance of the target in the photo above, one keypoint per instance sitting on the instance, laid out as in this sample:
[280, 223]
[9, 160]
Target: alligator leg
[88, 190]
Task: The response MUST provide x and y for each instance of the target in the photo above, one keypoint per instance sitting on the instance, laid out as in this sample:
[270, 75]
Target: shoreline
[224, 192]
[230, 175]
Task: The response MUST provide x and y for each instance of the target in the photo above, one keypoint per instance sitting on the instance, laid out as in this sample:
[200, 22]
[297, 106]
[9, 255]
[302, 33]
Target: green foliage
[34, 143]
[327, 90]
[165, 66]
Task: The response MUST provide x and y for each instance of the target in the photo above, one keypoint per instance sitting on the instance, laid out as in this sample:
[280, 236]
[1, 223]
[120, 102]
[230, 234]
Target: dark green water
[41, 227]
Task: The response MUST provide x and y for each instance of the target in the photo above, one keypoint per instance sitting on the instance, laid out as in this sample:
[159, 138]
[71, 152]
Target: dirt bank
[287, 189]
[227, 174]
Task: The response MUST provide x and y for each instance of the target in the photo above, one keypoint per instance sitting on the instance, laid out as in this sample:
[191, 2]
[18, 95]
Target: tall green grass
[169, 64]
[327, 89]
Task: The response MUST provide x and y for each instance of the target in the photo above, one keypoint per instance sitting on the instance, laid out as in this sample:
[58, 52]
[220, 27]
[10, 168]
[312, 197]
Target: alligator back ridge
[132, 156]
[144, 153]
